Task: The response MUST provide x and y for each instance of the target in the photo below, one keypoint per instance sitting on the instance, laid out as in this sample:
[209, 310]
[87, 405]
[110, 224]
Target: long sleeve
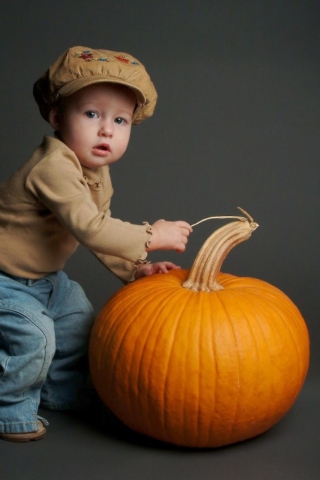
[51, 205]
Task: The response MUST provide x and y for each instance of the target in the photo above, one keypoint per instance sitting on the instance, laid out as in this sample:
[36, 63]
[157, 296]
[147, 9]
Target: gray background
[237, 124]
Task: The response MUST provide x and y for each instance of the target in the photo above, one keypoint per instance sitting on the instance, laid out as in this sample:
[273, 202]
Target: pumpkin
[200, 358]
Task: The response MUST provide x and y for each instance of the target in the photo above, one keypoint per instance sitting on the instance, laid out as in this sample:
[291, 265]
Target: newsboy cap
[79, 67]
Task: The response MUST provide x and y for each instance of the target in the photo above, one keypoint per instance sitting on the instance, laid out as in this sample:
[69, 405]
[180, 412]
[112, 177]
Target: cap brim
[75, 85]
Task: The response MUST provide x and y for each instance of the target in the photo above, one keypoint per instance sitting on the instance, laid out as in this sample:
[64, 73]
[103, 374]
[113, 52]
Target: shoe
[25, 437]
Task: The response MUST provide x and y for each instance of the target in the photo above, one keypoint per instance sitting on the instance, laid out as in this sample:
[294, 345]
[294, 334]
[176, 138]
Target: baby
[59, 199]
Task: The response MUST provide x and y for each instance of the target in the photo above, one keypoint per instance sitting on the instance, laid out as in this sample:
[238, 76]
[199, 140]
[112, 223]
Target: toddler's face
[95, 123]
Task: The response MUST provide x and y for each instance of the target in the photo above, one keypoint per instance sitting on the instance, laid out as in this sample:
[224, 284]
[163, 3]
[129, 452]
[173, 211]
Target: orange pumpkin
[200, 358]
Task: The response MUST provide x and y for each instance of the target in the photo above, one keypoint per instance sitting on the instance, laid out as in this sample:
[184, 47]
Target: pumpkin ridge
[267, 291]
[204, 348]
[291, 309]
[245, 315]
[207, 343]
[220, 368]
[201, 367]
[144, 409]
[138, 352]
[287, 308]
[280, 316]
[236, 409]
[124, 332]
[110, 340]
[120, 308]
[293, 316]
[140, 355]
[148, 415]
[164, 306]
[166, 399]
[190, 332]
[105, 337]
[212, 426]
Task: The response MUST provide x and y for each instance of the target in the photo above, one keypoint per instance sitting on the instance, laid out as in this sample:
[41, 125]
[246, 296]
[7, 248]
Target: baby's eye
[119, 120]
[91, 114]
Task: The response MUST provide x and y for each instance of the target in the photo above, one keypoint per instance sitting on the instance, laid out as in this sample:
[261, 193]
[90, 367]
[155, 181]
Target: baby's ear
[54, 118]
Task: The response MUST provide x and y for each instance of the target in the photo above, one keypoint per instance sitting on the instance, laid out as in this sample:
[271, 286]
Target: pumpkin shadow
[102, 420]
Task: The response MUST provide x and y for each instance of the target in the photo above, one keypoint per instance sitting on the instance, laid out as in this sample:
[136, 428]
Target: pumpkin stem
[206, 267]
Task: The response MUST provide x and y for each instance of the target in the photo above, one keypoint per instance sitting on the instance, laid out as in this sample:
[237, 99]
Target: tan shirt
[51, 204]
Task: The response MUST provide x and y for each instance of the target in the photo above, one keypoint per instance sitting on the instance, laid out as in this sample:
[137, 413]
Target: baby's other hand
[151, 268]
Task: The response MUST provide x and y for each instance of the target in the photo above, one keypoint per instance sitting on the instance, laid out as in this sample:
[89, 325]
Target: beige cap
[79, 67]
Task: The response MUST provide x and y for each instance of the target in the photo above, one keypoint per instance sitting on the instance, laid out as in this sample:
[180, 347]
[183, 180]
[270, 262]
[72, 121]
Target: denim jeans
[44, 330]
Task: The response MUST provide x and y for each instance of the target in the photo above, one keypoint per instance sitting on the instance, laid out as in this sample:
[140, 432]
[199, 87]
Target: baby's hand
[150, 268]
[169, 236]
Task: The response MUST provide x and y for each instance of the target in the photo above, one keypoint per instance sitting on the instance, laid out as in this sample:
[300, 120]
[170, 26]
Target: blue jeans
[44, 330]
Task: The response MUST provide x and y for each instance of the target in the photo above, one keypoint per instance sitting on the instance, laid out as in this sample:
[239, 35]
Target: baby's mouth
[104, 147]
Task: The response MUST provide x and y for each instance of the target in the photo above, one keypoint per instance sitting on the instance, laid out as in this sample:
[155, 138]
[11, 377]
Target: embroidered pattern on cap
[87, 56]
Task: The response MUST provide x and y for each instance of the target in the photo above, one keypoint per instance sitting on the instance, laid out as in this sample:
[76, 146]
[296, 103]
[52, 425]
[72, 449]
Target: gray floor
[99, 447]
